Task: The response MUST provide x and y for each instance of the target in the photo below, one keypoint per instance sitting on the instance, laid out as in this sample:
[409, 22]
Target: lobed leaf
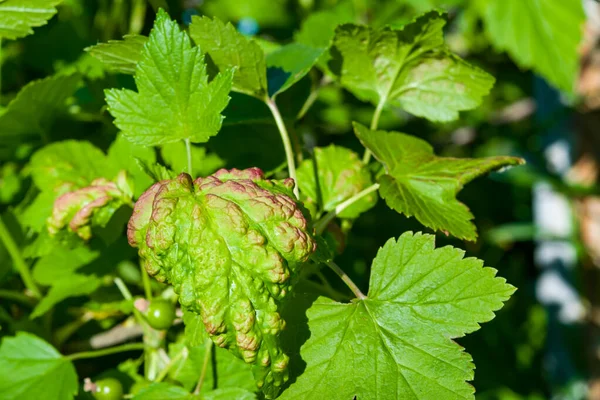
[397, 343]
[418, 183]
[174, 101]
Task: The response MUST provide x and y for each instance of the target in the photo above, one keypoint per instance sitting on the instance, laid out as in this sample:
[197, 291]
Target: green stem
[346, 280]
[322, 224]
[313, 96]
[123, 289]
[20, 264]
[374, 125]
[1, 62]
[188, 149]
[105, 352]
[207, 355]
[146, 282]
[165, 371]
[287, 145]
[17, 296]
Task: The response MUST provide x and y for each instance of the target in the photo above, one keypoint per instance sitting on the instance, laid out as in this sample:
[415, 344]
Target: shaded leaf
[76, 285]
[18, 17]
[410, 68]
[341, 175]
[120, 55]
[30, 114]
[228, 48]
[289, 64]
[543, 35]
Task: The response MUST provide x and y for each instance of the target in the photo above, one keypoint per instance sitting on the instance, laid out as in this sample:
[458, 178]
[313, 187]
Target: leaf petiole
[287, 145]
[188, 149]
[105, 352]
[374, 125]
[359, 295]
[323, 222]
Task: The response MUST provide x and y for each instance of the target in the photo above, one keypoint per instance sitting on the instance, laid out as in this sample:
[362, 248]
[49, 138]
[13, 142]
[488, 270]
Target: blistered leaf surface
[231, 245]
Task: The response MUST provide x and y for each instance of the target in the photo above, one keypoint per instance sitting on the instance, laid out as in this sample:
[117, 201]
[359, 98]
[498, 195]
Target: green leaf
[164, 391]
[543, 35]
[76, 285]
[230, 49]
[175, 155]
[289, 64]
[228, 394]
[418, 183]
[18, 17]
[33, 369]
[397, 343]
[341, 175]
[30, 114]
[123, 154]
[174, 101]
[319, 28]
[61, 264]
[155, 171]
[231, 372]
[70, 162]
[410, 68]
[120, 55]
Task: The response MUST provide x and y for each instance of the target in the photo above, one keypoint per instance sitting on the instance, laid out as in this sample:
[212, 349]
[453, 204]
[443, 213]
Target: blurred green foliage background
[527, 352]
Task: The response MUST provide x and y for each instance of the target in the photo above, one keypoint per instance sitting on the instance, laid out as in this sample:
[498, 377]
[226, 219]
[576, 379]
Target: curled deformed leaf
[79, 209]
[231, 245]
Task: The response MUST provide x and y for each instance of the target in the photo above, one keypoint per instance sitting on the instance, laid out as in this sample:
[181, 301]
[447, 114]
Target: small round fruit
[108, 389]
[160, 314]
